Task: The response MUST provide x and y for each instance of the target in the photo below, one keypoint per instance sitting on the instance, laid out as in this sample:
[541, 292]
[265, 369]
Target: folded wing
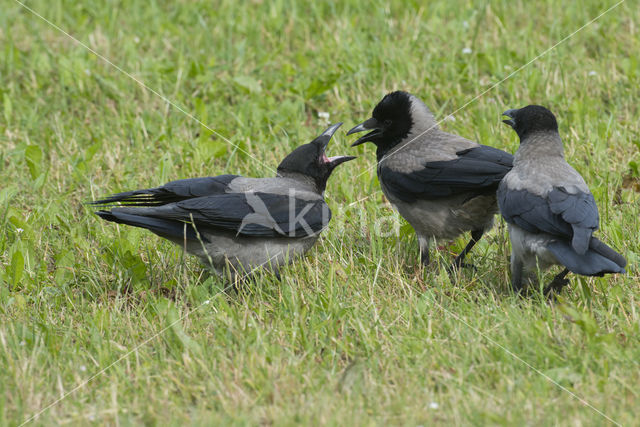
[247, 214]
[475, 169]
[570, 215]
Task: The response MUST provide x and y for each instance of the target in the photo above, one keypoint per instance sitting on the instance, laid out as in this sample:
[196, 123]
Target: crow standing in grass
[442, 184]
[550, 211]
[237, 222]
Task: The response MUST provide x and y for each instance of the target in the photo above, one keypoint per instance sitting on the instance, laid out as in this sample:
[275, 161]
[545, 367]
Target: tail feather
[147, 197]
[604, 250]
[163, 227]
[591, 263]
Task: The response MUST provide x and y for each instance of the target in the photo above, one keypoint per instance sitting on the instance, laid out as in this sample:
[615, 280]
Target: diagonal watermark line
[528, 365]
[142, 344]
[141, 83]
[540, 55]
[500, 346]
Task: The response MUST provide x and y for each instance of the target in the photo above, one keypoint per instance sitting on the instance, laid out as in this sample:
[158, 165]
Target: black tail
[162, 227]
[607, 252]
[147, 197]
[594, 262]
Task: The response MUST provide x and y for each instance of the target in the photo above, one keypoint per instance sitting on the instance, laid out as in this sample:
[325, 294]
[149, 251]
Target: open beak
[511, 114]
[324, 141]
[336, 160]
[326, 136]
[371, 124]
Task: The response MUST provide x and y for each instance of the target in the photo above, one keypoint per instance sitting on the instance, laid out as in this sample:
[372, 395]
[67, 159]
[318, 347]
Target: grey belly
[531, 249]
[447, 218]
[245, 254]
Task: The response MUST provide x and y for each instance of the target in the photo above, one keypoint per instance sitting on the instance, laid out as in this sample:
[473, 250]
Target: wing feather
[571, 215]
[475, 169]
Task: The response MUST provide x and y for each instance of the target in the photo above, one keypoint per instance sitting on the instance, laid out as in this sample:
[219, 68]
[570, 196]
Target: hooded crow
[237, 222]
[550, 211]
[442, 184]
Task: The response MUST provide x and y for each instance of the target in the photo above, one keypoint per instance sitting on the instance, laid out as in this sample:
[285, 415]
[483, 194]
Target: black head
[531, 119]
[310, 159]
[390, 122]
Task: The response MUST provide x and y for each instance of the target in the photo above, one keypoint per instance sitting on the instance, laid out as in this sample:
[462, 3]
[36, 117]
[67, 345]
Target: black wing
[476, 169]
[573, 216]
[173, 191]
[248, 214]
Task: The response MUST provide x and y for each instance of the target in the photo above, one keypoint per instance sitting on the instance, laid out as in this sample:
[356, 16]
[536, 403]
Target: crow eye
[387, 122]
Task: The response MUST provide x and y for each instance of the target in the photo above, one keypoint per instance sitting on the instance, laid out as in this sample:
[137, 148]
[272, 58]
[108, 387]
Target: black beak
[511, 114]
[323, 140]
[370, 124]
[337, 160]
[326, 136]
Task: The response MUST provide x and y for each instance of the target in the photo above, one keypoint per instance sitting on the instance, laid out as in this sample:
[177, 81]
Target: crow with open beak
[237, 222]
[550, 211]
[441, 183]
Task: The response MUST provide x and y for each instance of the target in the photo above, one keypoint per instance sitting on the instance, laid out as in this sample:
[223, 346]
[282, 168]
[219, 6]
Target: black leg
[558, 282]
[516, 274]
[459, 261]
[424, 257]
[423, 243]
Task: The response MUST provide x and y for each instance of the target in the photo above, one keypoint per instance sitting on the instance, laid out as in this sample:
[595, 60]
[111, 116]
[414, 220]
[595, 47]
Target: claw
[556, 285]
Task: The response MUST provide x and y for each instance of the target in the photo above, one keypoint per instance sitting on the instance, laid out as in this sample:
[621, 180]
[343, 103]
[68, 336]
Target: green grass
[355, 333]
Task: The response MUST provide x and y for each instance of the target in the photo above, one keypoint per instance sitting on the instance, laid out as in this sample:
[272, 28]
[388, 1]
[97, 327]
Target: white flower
[207, 302]
[19, 230]
[466, 50]
[465, 24]
[23, 343]
[87, 71]
[450, 118]
[83, 368]
[434, 405]
[593, 73]
[136, 39]
[324, 117]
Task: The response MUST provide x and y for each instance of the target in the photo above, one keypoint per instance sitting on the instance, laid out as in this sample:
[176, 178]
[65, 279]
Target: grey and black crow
[442, 184]
[550, 211]
[237, 222]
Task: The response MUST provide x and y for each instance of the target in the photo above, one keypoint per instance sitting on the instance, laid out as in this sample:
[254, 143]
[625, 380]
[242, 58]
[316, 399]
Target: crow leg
[423, 242]
[459, 261]
[558, 282]
[516, 273]
[424, 258]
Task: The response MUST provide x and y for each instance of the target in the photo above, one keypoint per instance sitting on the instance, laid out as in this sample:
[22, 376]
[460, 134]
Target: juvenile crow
[550, 211]
[237, 222]
[442, 184]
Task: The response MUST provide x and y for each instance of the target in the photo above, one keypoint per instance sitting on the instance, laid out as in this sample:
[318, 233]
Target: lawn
[109, 324]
